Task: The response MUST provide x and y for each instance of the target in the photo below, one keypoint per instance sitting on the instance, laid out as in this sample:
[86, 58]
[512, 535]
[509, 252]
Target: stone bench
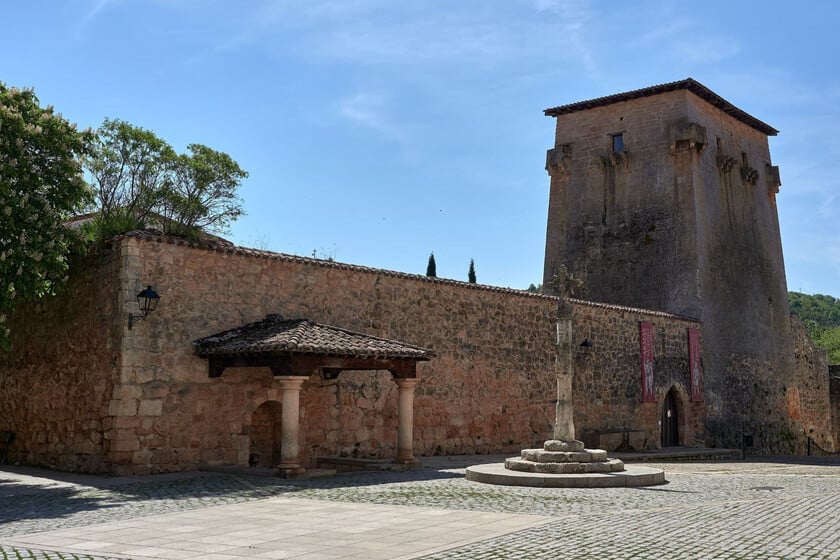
[6, 439]
[619, 440]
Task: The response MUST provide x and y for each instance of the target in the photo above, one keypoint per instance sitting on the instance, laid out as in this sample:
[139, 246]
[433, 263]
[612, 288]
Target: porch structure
[296, 349]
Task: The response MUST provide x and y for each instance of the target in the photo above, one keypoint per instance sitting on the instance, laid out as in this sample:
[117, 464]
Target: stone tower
[664, 198]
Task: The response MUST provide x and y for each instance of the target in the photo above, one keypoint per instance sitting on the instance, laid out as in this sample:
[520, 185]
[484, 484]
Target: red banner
[646, 349]
[695, 369]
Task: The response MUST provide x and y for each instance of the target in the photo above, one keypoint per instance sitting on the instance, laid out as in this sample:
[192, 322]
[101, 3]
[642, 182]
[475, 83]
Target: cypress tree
[471, 274]
[431, 268]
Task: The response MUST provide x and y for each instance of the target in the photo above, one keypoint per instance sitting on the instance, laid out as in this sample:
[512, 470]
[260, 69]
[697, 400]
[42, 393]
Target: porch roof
[275, 335]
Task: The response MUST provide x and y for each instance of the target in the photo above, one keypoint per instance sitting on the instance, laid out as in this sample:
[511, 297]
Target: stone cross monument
[564, 454]
[563, 285]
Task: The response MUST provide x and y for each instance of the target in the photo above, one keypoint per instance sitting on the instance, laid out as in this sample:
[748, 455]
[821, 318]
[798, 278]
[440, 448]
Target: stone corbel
[558, 160]
[749, 175]
[688, 135]
[615, 159]
[774, 181]
[725, 163]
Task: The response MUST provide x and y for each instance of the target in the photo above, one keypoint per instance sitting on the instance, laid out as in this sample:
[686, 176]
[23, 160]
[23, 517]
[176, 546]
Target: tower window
[617, 143]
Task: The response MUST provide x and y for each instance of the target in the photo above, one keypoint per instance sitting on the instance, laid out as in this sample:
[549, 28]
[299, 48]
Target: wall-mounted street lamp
[586, 346]
[147, 300]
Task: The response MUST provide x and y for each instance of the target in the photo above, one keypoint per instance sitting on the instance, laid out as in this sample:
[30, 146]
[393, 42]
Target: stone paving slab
[754, 509]
[284, 528]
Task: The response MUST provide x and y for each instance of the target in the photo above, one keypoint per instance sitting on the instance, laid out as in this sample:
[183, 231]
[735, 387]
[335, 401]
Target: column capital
[406, 382]
[290, 381]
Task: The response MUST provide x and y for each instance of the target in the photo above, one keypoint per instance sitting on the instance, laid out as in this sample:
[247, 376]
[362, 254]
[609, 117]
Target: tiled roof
[689, 84]
[276, 335]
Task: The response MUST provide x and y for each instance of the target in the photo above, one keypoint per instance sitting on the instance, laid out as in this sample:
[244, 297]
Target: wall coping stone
[218, 247]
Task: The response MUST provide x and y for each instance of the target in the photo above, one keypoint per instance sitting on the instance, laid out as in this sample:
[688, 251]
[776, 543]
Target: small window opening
[744, 159]
[617, 143]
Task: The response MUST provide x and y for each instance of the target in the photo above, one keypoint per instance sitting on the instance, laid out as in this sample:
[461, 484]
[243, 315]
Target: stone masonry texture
[684, 221]
[489, 390]
[678, 230]
[56, 385]
[834, 398]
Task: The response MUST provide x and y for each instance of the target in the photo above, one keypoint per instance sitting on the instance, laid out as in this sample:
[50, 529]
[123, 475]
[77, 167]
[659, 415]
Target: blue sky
[376, 132]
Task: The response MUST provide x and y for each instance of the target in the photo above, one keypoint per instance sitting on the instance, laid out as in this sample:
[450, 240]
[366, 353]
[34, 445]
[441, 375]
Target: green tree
[41, 186]
[536, 289]
[202, 193]
[431, 268]
[820, 314]
[471, 274]
[140, 180]
[130, 169]
[820, 309]
[829, 340]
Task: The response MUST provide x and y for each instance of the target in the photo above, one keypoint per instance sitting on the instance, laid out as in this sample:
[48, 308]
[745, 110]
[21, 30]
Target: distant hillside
[821, 316]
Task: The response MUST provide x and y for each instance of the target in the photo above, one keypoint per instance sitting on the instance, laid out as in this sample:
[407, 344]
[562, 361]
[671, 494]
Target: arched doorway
[265, 435]
[670, 420]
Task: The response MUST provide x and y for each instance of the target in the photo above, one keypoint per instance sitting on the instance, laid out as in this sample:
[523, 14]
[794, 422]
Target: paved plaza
[769, 509]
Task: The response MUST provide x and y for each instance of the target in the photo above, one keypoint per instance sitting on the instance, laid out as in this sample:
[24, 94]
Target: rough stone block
[597, 454]
[616, 465]
[125, 422]
[150, 407]
[127, 392]
[127, 407]
[558, 445]
[125, 445]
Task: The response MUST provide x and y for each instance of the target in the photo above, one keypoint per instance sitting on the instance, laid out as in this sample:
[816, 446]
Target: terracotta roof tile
[689, 84]
[276, 335]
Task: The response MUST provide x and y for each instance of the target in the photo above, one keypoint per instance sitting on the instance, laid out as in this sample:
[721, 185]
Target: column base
[289, 470]
[410, 461]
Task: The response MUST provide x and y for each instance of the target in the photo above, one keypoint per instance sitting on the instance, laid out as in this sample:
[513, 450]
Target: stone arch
[673, 417]
[265, 435]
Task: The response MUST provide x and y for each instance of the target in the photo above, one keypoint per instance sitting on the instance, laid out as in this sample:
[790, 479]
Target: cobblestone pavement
[733, 510]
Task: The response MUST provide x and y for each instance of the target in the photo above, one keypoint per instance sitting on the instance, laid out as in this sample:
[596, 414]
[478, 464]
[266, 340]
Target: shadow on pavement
[28, 494]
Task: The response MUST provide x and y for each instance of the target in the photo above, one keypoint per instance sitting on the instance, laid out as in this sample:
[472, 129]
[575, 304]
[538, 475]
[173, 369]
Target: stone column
[564, 426]
[405, 429]
[290, 427]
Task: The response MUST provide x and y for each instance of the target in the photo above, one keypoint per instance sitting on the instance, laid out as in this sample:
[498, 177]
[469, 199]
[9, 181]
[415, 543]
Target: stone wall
[621, 223]
[810, 399]
[749, 350]
[84, 392]
[55, 385]
[490, 388]
[683, 221]
[834, 396]
[608, 383]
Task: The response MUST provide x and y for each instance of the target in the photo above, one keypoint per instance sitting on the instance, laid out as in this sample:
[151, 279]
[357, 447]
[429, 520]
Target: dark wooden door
[670, 422]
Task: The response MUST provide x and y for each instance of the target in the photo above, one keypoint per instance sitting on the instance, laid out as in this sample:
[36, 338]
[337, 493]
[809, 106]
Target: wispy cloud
[827, 209]
[370, 110]
[575, 19]
[378, 32]
[96, 8]
[661, 32]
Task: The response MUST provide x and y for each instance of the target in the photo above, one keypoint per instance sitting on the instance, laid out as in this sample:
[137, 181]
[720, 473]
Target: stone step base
[632, 476]
[524, 465]
[583, 456]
